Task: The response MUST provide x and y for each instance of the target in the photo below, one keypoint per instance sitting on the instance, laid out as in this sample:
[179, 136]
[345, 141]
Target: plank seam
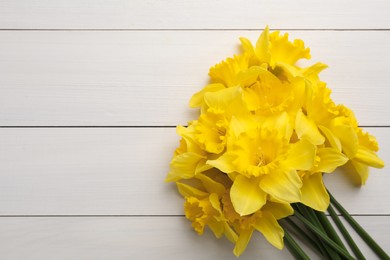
[142, 216]
[91, 126]
[200, 29]
[135, 126]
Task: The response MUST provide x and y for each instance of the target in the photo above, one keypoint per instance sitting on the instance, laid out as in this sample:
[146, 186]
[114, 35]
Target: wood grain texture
[104, 171]
[147, 78]
[176, 14]
[140, 238]
[98, 193]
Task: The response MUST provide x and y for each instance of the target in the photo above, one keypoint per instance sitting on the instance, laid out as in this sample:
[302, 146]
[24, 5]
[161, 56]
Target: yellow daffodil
[211, 129]
[261, 162]
[365, 156]
[203, 209]
[273, 48]
[264, 221]
[267, 94]
[227, 72]
[189, 159]
[340, 128]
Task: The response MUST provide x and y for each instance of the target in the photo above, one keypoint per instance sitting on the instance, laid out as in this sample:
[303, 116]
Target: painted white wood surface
[120, 171]
[82, 238]
[177, 14]
[98, 193]
[147, 77]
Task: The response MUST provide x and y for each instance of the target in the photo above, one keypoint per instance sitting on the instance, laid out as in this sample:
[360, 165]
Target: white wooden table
[90, 92]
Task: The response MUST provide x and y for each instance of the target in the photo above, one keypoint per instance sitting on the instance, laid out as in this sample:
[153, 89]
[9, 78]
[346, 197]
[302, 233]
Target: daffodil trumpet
[267, 132]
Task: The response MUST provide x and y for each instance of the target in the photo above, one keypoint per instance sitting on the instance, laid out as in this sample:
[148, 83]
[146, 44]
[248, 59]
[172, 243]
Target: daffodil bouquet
[267, 132]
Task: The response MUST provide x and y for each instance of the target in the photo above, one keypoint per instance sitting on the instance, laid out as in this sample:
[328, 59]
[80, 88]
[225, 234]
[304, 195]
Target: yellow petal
[368, 157]
[278, 210]
[314, 193]
[217, 227]
[367, 140]
[281, 122]
[311, 72]
[282, 50]
[252, 98]
[357, 172]
[249, 76]
[284, 185]
[332, 139]
[226, 72]
[246, 196]
[214, 201]
[202, 167]
[314, 69]
[239, 125]
[262, 47]
[210, 185]
[242, 242]
[291, 70]
[229, 233]
[270, 229]
[189, 191]
[307, 129]
[247, 45]
[348, 138]
[228, 100]
[198, 98]
[330, 159]
[299, 93]
[184, 166]
[301, 156]
[223, 163]
[188, 134]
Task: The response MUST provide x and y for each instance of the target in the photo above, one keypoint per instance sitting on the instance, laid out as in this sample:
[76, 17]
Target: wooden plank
[120, 171]
[141, 238]
[147, 77]
[176, 14]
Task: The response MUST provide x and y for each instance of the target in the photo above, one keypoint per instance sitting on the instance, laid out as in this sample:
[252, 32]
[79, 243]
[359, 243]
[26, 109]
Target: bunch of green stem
[315, 229]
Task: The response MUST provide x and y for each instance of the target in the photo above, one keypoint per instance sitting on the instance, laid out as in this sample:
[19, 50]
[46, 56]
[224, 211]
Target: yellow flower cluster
[267, 131]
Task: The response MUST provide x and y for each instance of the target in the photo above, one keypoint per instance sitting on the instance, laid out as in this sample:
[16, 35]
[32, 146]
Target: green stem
[311, 216]
[306, 212]
[345, 233]
[332, 253]
[359, 229]
[298, 208]
[324, 237]
[329, 229]
[302, 211]
[294, 248]
[303, 234]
